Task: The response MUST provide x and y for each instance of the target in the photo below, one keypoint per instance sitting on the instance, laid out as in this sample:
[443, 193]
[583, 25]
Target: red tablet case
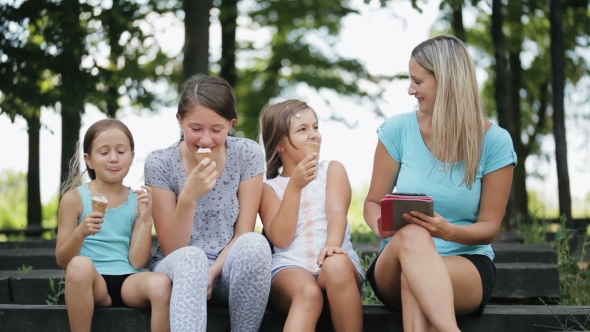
[393, 206]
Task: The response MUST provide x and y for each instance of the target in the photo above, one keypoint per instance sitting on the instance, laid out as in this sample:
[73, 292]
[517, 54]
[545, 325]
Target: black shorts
[114, 285]
[483, 264]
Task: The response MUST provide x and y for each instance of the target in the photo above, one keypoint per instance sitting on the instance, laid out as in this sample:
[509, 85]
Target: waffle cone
[311, 147]
[98, 206]
[202, 155]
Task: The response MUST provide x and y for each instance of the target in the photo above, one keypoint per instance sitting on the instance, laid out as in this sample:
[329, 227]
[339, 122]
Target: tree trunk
[500, 91]
[72, 104]
[558, 87]
[458, 26]
[196, 38]
[519, 195]
[228, 17]
[34, 209]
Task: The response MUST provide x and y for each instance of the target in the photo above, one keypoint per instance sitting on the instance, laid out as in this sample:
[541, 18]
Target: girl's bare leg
[296, 292]
[85, 288]
[341, 281]
[150, 290]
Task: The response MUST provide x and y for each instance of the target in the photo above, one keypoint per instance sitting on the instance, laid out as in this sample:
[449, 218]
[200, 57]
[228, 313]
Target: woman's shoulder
[497, 135]
[398, 121]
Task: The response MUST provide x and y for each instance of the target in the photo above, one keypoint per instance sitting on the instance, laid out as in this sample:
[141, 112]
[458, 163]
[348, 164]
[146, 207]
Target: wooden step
[38, 258]
[526, 281]
[506, 318]
[506, 252]
[515, 282]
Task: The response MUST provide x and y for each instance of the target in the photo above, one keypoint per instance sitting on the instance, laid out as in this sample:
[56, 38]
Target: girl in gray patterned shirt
[204, 213]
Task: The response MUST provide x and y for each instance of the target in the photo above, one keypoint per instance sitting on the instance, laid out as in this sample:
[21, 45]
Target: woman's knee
[80, 270]
[411, 237]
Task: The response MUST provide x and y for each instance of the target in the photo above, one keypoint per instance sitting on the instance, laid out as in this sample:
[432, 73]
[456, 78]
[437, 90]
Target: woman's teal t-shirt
[421, 172]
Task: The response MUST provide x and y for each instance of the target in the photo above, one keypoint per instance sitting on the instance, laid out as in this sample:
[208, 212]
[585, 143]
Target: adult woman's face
[422, 86]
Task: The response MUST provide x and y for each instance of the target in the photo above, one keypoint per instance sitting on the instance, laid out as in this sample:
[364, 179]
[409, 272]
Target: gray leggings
[244, 285]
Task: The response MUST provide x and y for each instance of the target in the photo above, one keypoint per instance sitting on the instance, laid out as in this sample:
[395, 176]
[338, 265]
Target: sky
[381, 39]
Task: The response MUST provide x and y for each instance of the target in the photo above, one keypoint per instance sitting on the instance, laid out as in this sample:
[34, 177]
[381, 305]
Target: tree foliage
[301, 50]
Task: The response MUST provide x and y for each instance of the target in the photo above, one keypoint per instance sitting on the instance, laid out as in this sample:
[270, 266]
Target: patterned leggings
[244, 284]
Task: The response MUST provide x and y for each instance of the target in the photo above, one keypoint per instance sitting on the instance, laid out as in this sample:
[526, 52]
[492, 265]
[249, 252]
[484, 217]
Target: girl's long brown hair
[275, 123]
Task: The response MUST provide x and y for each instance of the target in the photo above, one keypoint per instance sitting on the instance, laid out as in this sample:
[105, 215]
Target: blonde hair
[458, 121]
[275, 122]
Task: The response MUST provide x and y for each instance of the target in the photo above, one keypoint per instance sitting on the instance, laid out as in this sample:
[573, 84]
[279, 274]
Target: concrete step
[516, 282]
[506, 252]
[507, 318]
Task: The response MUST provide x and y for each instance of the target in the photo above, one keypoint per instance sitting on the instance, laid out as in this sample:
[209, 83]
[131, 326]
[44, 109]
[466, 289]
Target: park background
[347, 59]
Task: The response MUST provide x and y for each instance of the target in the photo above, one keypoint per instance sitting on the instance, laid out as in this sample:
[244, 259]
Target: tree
[26, 84]
[558, 87]
[300, 51]
[196, 37]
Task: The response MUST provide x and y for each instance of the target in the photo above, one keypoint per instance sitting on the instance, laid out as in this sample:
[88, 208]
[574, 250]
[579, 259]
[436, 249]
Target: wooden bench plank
[515, 281]
[507, 318]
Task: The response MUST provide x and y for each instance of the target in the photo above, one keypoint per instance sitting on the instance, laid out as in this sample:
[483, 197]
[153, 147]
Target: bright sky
[385, 52]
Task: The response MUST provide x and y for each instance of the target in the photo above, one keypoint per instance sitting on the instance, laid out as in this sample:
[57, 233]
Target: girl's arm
[383, 179]
[338, 194]
[285, 213]
[141, 238]
[70, 237]
[174, 219]
[249, 193]
[279, 218]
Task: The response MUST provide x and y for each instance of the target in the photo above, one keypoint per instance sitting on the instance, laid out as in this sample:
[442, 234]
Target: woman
[438, 267]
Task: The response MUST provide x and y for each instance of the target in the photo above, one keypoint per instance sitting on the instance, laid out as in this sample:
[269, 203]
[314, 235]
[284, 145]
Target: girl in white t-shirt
[303, 210]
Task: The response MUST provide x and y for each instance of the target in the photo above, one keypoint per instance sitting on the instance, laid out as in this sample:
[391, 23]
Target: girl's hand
[328, 251]
[305, 171]
[144, 206]
[437, 226]
[201, 180]
[383, 234]
[91, 224]
[210, 284]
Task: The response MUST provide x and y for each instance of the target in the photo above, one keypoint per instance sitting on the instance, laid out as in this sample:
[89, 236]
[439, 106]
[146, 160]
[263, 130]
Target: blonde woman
[436, 268]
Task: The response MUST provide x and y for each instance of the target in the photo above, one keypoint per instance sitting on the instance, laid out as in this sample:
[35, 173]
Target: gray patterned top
[218, 210]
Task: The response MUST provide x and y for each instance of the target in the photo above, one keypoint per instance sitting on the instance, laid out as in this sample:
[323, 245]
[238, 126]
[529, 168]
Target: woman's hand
[201, 180]
[383, 234]
[144, 202]
[91, 224]
[437, 226]
[328, 251]
[305, 171]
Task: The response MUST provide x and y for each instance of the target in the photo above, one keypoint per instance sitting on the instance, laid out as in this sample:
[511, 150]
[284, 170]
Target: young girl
[102, 252]
[205, 212]
[303, 210]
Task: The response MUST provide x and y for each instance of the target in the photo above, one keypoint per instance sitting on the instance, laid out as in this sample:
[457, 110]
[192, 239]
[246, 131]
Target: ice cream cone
[311, 147]
[99, 204]
[203, 153]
